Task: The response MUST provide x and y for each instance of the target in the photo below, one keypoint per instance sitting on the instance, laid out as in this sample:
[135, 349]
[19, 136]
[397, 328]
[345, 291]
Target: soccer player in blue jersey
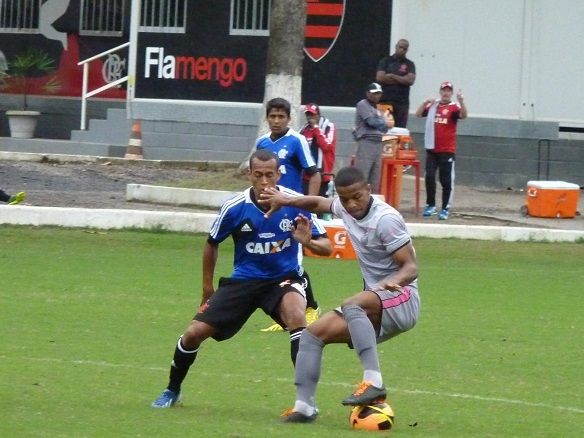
[266, 272]
[291, 148]
[295, 157]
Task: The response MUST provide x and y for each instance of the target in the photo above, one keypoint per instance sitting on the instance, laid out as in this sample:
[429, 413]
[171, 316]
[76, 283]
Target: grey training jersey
[375, 238]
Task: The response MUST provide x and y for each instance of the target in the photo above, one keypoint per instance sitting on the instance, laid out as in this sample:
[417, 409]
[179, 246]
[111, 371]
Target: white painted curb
[177, 196]
[106, 218]
[489, 232]
[201, 223]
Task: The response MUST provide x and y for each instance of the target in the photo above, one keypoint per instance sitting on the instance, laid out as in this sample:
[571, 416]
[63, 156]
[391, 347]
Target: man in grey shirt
[370, 125]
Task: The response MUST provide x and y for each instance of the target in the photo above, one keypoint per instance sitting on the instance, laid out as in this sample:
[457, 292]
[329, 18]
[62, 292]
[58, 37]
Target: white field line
[326, 383]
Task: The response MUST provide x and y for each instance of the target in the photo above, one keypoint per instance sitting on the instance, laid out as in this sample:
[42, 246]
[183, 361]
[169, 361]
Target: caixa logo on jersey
[324, 20]
[268, 247]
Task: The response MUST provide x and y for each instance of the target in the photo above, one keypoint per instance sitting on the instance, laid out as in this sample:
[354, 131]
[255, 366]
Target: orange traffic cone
[134, 150]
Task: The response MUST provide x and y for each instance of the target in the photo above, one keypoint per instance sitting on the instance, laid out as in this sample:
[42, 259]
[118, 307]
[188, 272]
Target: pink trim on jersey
[396, 301]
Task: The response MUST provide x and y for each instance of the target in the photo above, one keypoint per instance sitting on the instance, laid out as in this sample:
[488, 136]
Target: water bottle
[330, 189]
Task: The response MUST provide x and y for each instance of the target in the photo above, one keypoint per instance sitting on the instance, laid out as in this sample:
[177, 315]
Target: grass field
[90, 320]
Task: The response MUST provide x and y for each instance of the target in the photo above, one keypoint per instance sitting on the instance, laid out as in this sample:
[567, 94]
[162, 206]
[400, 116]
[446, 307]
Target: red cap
[446, 84]
[311, 108]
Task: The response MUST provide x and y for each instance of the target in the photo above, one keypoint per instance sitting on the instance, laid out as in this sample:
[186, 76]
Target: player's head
[278, 115]
[446, 90]
[263, 170]
[353, 191]
[401, 48]
[312, 112]
[374, 92]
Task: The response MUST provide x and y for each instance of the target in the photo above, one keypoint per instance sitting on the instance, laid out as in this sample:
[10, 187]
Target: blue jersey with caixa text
[264, 248]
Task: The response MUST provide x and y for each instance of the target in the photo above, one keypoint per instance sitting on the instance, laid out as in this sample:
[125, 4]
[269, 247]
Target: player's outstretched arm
[275, 200]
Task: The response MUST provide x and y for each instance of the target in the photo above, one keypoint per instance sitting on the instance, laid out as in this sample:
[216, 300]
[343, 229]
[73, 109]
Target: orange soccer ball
[378, 416]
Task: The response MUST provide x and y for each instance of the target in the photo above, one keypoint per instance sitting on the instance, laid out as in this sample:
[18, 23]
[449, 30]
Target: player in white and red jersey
[321, 136]
[388, 305]
[442, 117]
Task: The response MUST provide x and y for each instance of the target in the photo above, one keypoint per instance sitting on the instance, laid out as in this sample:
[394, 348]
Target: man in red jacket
[442, 117]
[321, 136]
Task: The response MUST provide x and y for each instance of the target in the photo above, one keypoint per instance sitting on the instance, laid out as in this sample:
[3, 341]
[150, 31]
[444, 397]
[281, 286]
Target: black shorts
[235, 300]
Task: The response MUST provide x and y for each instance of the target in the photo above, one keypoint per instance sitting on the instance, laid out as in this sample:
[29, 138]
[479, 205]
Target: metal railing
[87, 94]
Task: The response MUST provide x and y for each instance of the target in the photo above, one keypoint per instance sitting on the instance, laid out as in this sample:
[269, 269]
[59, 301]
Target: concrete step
[67, 147]
[113, 130]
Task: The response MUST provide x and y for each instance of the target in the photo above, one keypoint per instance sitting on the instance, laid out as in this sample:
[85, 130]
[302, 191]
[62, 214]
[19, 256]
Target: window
[250, 17]
[102, 17]
[19, 16]
[165, 16]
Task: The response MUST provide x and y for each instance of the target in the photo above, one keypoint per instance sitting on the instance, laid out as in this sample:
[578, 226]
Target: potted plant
[29, 71]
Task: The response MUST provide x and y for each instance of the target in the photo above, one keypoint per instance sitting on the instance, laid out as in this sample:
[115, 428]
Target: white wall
[558, 61]
[516, 59]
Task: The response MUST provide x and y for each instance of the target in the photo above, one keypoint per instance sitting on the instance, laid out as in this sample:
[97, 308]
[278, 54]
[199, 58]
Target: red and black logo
[324, 19]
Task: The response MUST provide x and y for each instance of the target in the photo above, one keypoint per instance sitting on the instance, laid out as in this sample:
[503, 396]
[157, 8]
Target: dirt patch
[103, 185]
[93, 185]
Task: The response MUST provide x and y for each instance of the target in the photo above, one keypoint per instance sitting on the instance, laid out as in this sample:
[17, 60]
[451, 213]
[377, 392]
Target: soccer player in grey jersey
[388, 305]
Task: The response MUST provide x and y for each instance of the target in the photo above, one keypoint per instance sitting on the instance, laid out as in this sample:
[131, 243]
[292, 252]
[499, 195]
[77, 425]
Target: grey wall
[491, 153]
[59, 116]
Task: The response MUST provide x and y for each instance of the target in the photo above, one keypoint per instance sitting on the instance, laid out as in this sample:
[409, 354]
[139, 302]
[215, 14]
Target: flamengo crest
[324, 19]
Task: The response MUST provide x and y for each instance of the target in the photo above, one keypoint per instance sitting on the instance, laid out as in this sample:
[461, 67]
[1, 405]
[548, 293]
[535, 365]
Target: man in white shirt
[388, 305]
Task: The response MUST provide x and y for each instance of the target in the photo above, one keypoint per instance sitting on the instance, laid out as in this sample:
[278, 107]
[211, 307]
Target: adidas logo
[246, 228]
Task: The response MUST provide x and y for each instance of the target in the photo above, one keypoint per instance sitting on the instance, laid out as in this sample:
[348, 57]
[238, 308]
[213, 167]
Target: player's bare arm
[407, 79]
[380, 77]
[275, 200]
[210, 254]
[391, 78]
[423, 105]
[302, 233]
[463, 110]
[405, 258]
[386, 78]
[314, 183]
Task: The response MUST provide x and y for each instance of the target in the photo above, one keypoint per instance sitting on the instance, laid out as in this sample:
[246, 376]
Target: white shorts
[399, 313]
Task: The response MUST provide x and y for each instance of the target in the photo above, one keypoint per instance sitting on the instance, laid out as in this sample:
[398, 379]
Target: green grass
[90, 320]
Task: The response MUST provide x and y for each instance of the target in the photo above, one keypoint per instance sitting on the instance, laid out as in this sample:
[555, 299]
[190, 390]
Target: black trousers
[4, 197]
[400, 113]
[443, 162]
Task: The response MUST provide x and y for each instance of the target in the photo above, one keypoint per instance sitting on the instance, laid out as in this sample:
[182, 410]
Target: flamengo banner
[344, 41]
[324, 20]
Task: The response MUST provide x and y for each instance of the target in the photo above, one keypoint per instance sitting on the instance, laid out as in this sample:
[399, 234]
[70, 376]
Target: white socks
[373, 377]
[304, 408]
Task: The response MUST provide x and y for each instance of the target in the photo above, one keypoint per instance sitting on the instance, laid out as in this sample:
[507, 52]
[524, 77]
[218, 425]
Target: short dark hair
[264, 155]
[278, 103]
[348, 176]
